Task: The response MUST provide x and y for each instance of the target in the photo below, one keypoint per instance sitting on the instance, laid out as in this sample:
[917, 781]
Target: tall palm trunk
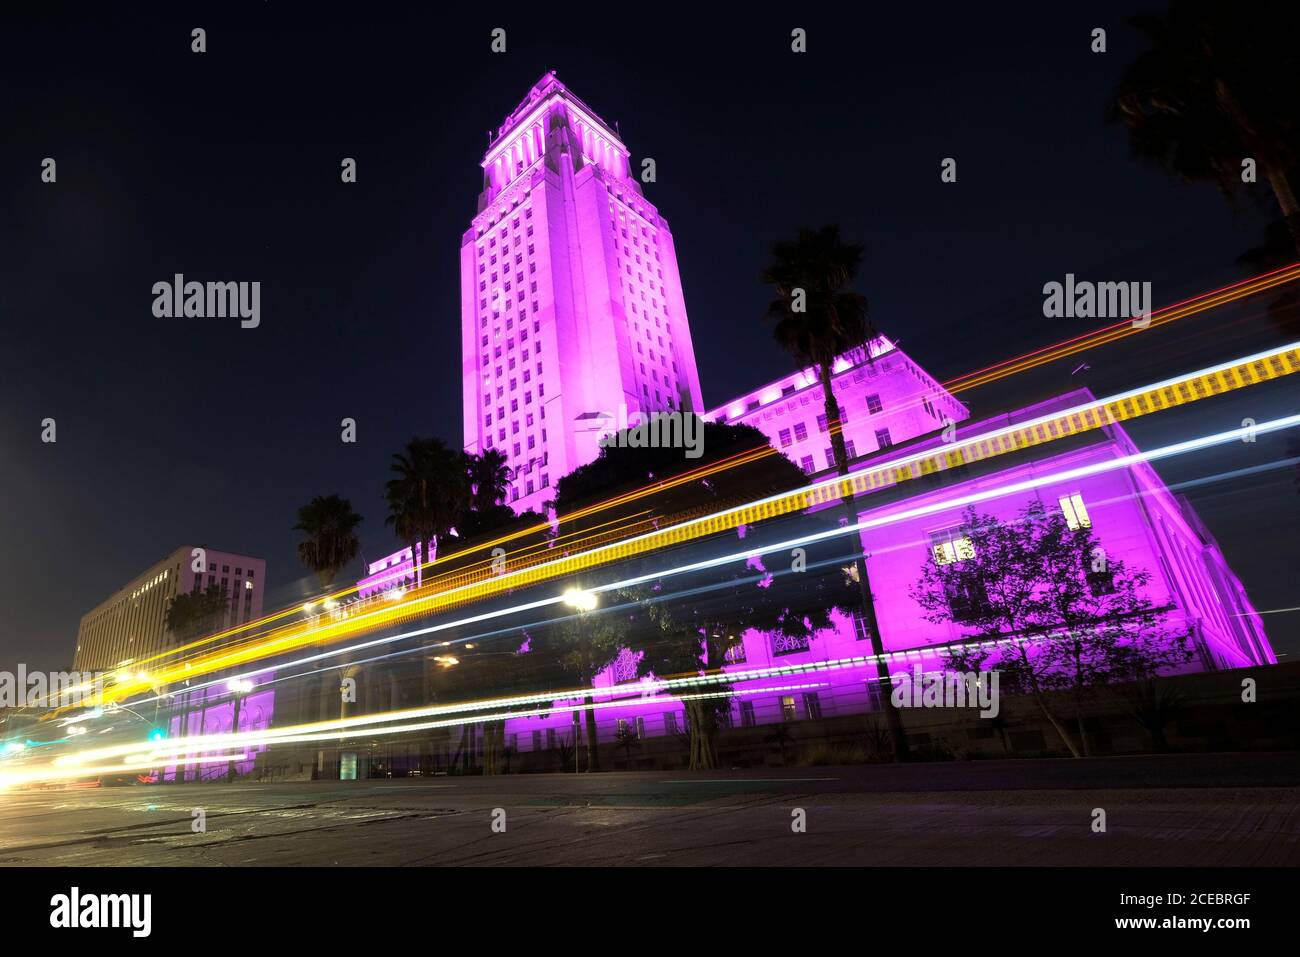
[1273, 170]
[835, 427]
[1277, 178]
[494, 739]
[593, 749]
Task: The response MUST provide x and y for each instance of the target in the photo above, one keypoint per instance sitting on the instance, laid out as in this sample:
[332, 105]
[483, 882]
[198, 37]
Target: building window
[873, 404]
[875, 699]
[951, 545]
[1076, 513]
[882, 438]
[800, 432]
[784, 436]
[806, 463]
[812, 706]
[788, 710]
[670, 722]
[747, 714]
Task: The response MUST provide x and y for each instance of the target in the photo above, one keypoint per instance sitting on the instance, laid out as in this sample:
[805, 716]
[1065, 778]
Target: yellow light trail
[462, 587]
[181, 750]
[1047, 354]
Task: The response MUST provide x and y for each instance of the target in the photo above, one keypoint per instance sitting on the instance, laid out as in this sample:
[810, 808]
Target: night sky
[225, 166]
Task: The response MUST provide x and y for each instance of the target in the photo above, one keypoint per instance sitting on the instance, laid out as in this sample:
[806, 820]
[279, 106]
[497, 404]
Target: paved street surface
[1227, 809]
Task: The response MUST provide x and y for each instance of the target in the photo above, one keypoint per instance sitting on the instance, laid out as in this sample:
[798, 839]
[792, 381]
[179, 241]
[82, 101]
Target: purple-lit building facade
[572, 307]
[572, 313]
[130, 624]
[894, 409]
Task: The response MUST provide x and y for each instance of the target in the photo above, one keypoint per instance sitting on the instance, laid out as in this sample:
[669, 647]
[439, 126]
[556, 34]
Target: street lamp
[584, 601]
[580, 599]
[238, 687]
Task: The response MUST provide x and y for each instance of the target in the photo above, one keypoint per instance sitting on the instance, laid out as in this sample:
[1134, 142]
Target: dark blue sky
[226, 166]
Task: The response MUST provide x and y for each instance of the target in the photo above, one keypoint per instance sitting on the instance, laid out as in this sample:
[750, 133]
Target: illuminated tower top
[572, 313]
[521, 139]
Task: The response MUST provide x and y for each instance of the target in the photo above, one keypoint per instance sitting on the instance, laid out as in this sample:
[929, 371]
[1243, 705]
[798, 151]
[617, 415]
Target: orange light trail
[1120, 330]
[632, 524]
[466, 586]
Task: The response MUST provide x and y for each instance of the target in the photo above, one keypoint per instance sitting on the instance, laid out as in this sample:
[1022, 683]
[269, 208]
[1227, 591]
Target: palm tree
[428, 496]
[330, 527]
[1210, 92]
[817, 319]
[490, 477]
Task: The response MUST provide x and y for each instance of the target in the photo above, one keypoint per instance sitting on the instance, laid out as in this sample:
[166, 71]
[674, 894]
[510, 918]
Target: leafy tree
[1076, 620]
[194, 614]
[574, 649]
[330, 528]
[428, 494]
[782, 738]
[818, 318]
[627, 739]
[687, 624]
[567, 752]
[1153, 704]
[1209, 92]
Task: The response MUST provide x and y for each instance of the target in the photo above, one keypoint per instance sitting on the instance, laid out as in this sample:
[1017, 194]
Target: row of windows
[504, 233]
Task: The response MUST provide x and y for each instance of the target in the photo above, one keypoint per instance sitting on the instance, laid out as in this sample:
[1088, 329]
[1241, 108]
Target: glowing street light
[579, 599]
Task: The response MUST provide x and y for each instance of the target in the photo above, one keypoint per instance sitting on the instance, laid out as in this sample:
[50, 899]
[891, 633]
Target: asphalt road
[1174, 810]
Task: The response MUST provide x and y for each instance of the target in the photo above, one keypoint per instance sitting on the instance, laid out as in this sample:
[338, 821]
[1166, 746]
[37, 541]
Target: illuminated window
[1076, 513]
[951, 545]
